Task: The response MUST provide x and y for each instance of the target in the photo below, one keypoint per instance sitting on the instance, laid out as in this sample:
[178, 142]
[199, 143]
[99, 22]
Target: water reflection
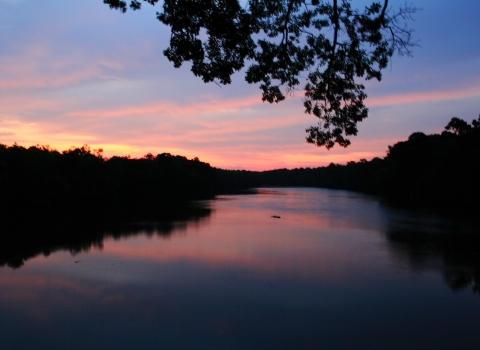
[419, 241]
[336, 271]
[450, 246]
[19, 244]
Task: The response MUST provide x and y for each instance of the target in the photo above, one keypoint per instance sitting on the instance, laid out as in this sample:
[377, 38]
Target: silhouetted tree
[476, 123]
[333, 45]
[458, 126]
[40, 184]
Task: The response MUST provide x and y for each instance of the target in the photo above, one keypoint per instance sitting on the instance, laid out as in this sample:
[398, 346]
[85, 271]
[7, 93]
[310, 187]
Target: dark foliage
[41, 185]
[329, 45]
[74, 199]
[431, 171]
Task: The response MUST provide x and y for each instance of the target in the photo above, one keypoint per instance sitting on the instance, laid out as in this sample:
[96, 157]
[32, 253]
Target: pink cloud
[37, 66]
[50, 80]
[18, 104]
[420, 97]
[227, 133]
[171, 108]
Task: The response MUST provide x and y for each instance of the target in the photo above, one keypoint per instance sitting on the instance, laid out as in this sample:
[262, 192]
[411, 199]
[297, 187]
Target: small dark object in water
[76, 262]
[275, 216]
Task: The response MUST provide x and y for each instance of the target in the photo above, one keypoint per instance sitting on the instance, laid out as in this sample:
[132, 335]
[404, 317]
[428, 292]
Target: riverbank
[39, 184]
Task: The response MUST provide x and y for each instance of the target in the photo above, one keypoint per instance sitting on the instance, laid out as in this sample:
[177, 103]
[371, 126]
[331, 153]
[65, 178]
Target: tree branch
[335, 21]
[384, 9]
[287, 21]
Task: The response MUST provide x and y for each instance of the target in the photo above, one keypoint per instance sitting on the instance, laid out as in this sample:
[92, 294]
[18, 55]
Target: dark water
[337, 270]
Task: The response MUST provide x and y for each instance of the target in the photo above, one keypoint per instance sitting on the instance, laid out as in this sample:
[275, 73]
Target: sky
[74, 72]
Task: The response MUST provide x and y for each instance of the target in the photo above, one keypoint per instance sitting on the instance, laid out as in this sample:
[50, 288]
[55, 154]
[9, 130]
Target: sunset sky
[74, 72]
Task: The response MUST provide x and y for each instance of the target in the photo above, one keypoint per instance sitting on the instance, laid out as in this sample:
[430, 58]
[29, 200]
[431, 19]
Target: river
[283, 268]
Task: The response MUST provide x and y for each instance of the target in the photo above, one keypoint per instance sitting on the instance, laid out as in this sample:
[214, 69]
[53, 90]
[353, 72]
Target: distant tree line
[439, 170]
[39, 183]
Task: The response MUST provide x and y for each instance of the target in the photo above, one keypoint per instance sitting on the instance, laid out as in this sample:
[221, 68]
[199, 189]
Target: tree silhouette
[458, 126]
[328, 44]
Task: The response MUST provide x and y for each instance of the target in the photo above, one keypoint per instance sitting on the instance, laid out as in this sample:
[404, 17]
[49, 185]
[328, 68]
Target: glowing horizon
[75, 74]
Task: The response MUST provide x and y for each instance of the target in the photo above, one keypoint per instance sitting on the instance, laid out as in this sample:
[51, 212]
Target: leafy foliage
[328, 44]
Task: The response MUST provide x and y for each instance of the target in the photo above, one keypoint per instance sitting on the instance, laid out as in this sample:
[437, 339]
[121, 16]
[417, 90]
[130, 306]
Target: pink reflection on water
[240, 235]
[38, 295]
[240, 239]
[298, 243]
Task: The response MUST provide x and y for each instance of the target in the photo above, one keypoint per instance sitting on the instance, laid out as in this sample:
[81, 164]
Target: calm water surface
[337, 270]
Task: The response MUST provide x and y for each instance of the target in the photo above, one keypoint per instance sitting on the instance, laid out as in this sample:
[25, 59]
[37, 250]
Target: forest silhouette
[73, 200]
[40, 185]
[438, 171]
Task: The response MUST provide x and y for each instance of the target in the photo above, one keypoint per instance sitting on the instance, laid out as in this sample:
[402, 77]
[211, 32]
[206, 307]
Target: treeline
[436, 171]
[38, 183]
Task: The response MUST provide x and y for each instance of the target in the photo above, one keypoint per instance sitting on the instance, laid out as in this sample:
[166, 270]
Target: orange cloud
[227, 133]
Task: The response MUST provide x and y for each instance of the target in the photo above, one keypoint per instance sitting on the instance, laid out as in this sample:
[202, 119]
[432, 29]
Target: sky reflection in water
[337, 270]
